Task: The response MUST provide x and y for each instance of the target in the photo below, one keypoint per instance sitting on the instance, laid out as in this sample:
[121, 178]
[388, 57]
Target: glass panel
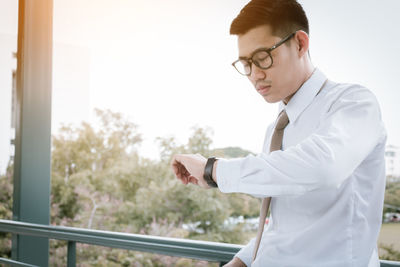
[152, 78]
[134, 71]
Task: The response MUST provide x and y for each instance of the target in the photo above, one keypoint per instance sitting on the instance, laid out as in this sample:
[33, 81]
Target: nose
[257, 73]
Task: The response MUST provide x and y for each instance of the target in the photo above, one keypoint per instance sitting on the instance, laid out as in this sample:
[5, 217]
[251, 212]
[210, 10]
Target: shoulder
[348, 90]
[349, 94]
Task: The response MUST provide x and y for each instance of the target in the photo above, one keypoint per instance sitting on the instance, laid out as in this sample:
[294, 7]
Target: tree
[6, 193]
[390, 253]
[392, 194]
[100, 181]
[83, 158]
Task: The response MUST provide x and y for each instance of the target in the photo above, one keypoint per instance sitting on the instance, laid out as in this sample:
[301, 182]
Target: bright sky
[167, 64]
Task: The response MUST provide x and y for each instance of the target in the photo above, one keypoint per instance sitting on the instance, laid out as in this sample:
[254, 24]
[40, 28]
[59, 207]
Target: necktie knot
[283, 120]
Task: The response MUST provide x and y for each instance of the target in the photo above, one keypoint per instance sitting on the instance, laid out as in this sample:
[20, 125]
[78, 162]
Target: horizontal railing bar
[202, 250]
[195, 249]
[385, 263]
[15, 263]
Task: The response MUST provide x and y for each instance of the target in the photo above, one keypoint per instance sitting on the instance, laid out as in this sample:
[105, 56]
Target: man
[322, 160]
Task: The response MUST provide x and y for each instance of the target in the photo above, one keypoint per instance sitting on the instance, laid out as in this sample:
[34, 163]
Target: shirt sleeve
[347, 133]
[246, 253]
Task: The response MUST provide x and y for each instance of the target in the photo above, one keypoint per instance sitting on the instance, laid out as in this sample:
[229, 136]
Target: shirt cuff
[228, 174]
[246, 253]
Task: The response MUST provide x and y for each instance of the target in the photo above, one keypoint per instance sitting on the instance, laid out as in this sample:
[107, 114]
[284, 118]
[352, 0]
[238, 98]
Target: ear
[302, 42]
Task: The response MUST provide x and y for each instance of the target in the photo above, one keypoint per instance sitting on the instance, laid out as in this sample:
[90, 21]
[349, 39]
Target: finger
[180, 170]
[185, 179]
[175, 163]
[193, 180]
[175, 169]
[183, 171]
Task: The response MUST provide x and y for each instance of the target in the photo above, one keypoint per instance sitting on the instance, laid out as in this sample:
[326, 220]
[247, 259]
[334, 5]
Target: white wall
[392, 157]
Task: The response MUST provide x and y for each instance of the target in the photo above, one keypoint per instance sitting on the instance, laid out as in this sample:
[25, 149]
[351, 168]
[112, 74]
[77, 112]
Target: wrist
[214, 172]
[208, 172]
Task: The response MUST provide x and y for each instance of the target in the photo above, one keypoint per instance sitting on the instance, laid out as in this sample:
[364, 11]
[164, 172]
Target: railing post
[31, 198]
[71, 259]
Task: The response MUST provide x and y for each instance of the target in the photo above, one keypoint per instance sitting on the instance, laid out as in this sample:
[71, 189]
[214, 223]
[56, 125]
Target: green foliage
[390, 253]
[200, 141]
[392, 197]
[65, 202]
[85, 148]
[99, 181]
[244, 205]
[392, 194]
[6, 191]
[85, 162]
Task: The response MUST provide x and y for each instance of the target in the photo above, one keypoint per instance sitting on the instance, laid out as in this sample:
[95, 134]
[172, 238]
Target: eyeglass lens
[261, 59]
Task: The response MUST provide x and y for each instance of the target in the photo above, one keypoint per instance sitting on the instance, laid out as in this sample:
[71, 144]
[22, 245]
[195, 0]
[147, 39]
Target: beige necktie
[276, 144]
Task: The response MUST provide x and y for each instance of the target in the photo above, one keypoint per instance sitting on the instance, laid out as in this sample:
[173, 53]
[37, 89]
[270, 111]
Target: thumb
[193, 180]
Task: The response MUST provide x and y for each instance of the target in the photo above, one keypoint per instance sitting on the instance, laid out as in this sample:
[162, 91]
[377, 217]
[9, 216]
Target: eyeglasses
[262, 58]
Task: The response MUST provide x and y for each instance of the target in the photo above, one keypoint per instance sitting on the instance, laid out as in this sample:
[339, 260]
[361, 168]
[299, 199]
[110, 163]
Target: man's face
[280, 81]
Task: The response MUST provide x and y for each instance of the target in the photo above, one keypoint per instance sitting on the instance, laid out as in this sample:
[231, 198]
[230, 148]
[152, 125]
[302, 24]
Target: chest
[305, 125]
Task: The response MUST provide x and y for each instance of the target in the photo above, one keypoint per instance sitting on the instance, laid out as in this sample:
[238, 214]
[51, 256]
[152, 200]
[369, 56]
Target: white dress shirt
[327, 183]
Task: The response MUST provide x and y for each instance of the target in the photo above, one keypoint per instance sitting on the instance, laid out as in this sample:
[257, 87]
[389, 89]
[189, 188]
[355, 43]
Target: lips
[262, 90]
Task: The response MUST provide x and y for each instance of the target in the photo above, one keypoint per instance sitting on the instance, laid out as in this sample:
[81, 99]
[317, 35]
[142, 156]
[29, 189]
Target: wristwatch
[208, 170]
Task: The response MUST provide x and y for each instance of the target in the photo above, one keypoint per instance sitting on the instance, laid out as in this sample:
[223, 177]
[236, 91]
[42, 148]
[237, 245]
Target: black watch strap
[208, 170]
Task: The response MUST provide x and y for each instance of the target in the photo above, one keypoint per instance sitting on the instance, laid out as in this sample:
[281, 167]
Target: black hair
[283, 16]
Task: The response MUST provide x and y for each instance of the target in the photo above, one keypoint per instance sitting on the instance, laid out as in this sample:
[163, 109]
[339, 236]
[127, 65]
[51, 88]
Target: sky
[167, 64]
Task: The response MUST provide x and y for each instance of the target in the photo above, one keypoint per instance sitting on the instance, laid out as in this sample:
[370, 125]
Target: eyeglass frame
[250, 60]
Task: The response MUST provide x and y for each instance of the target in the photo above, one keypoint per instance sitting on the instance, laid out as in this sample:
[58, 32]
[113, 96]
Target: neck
[308, 71]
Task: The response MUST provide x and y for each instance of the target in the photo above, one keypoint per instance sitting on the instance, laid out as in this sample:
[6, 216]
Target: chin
[271, 99]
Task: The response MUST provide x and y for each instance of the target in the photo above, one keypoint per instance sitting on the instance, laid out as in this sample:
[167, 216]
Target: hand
[235, 262]
[189, 168]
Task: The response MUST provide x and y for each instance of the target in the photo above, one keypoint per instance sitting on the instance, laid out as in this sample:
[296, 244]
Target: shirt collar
[304, 96]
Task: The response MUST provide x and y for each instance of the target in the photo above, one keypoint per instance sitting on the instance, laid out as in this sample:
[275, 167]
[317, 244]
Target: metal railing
[9, 262]
[199, 250]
